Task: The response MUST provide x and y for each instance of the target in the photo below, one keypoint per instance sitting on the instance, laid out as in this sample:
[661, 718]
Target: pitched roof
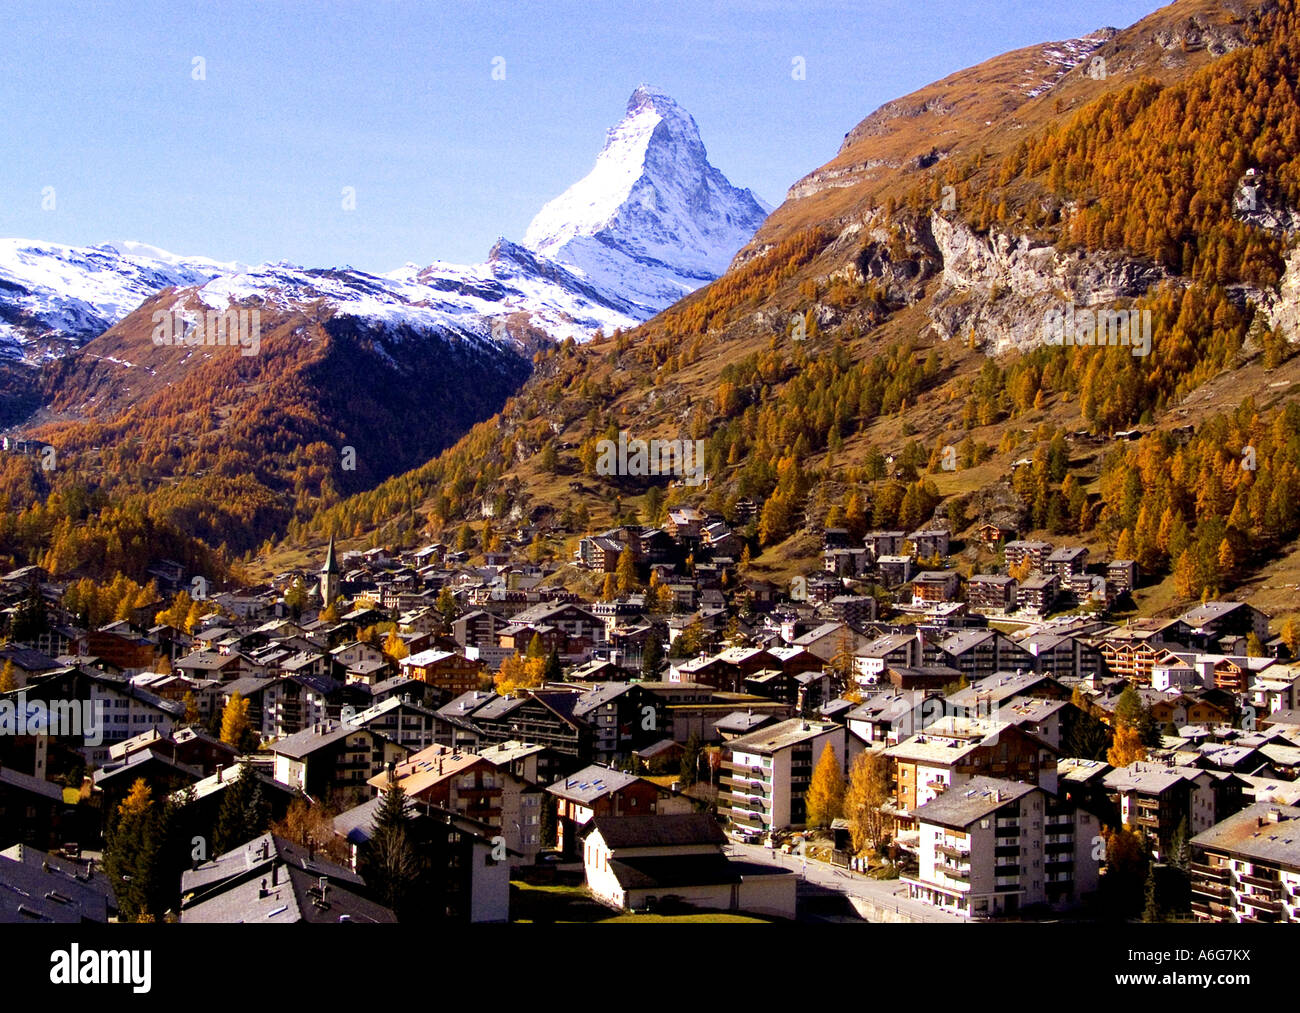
[963, 804]
[592, 783]
[667, 830]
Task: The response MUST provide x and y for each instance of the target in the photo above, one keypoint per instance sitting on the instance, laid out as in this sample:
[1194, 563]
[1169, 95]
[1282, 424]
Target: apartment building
[992, 847]
[766, 778]
[953, 750]
[1247, 868]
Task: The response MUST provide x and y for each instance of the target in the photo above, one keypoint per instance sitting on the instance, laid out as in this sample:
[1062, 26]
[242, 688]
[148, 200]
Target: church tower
[329, 577]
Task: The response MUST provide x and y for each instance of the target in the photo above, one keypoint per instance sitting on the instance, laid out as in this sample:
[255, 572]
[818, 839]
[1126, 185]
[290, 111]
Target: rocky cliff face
[1001, 285]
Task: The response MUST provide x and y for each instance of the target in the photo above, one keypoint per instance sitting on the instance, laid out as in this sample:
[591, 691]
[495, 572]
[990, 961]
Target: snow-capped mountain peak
[653, 220]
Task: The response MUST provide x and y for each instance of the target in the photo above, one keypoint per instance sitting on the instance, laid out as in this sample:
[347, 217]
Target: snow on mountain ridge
[653, 220]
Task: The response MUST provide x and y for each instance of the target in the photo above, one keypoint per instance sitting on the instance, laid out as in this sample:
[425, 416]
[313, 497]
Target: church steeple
[330, 565]
[329, 577]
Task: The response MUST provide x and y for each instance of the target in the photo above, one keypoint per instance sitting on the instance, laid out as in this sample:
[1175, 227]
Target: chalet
[542, 717]
[685, 523]
[636, 862]
[952, 750]
[888, 716]
[330, 759]
[1156, 798]
[473, 883]
[1214, 622]
[830, 639]
[271, 880]
[1122, 575]
[894, 570]
[597, 791]
[1246, 868]
[398, 720]
[766, 776]
[991, 535]
[884, 543]
[623, 717]
[854, 609]
[30, 811]
[1060, 655]
[447, 671]
[977, 653]
[976, 843]
[892, 649]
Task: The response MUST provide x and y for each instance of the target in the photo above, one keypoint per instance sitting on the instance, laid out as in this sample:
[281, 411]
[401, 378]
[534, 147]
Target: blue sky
[398, 101]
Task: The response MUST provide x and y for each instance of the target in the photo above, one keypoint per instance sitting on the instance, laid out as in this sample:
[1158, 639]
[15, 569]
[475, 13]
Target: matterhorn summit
[651, 223]
[653, 220]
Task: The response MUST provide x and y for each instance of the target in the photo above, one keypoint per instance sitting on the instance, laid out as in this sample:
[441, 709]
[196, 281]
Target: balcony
[1261, 903]
[952, 852]
[1270, 883]
[737, 800]
[1216, 873]
[744, 786]
[1212, 891]
[952, 871]
[744, 819]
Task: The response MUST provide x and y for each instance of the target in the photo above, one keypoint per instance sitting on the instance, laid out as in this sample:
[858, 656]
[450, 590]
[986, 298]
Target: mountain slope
[921, 326]
[54, 298]
[389, 369]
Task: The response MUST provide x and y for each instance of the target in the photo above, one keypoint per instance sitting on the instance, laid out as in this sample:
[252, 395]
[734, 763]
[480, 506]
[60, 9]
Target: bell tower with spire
[329, 577]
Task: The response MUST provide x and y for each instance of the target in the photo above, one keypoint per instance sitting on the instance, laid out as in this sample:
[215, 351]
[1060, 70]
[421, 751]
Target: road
[884, 892]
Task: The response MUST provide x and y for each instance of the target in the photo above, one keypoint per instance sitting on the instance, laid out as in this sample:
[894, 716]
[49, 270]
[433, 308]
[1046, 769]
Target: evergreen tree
[554, 671]
[244, 813]
[1150, 907]
[31, 618]
[690, 772]
[132, 857]
[652, 658]
[295, 598]
[388, 861]
[446, 604]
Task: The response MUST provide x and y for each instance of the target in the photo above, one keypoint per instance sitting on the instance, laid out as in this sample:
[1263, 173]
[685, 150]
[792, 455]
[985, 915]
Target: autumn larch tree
[825, 799]
[235, 726]
[867, 792]
[626, 572]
